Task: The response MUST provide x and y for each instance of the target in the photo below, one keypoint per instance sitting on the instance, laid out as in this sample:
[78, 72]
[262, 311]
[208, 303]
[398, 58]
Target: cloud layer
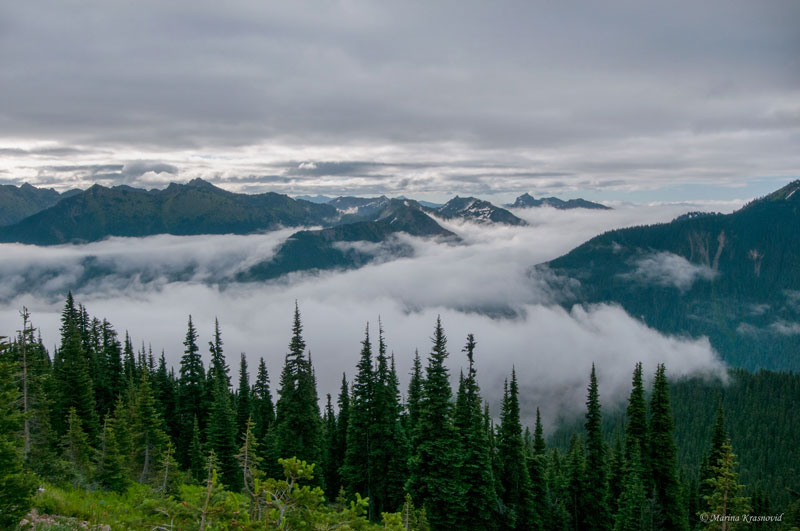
[485, 286]
[374, 97]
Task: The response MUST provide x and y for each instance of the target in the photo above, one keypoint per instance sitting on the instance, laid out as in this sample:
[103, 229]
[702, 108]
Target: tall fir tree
[595, 501]
[719, 435]
[576, 483]
[516, 490]
[73, 385]
[221, 435]
[263, 407]
[330, 467]
[110, 468]
[413, 399]
[217, 367]
[480, 498]
[129, 361]
[357, 468]
[243, 403]
[191, 391]
[77, 451]
[663, 457]
[147, 430]
[636, 426]
[725, 500]
[389, 448]
[633, 506]
[434, 478]
[342, 426]
[298, 426]
[112, 358]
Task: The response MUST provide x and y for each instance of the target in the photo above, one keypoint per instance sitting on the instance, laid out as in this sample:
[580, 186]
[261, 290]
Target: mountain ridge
[730, 277]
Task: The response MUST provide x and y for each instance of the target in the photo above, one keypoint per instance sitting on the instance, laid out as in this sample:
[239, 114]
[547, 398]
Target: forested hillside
[732, 278]
[117, 437]
[197, 207]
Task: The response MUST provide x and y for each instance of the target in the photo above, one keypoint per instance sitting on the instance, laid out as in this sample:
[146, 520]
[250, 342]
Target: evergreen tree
[616, 475]
[636, 426]
[539, 446]
[16, 485]
[243, 403]
[331, 466]
[663, 457]
[129, 361]
[719, 435]
[165, 391]
[73, 384]
[516, 483]
[112, 357]
[413, 399]
[76, 450]
[342, 426]
[195, 453]
[725, 500]
[595, 499]
[480, 498]
[632, 514]
[576, 479]
[435, 468]
[110, 468]
[389, 447]
[298, 426]
[147, 430]
[191, 390]
[358, 467]
[221, 435]
[218, 369]
[263, 408]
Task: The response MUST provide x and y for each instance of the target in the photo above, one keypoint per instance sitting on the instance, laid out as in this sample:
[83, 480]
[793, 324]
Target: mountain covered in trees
[19, 202]
[117, 437]
[477, 210]
[528, 201]
[197, 207]
[44, 217]
[351, 245]
[732, 278]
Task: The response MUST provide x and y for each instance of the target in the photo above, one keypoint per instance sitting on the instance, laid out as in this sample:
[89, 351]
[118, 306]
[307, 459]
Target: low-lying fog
[484, 287]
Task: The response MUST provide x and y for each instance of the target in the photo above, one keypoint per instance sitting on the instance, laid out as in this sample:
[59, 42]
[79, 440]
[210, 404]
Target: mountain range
[45, 217]
[528, 201]
[197, 207]
[19, 202]
[734, 278]
[351, 245]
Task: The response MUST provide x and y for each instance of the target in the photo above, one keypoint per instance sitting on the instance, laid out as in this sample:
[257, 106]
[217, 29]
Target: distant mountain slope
[468, 208]
[351, 245]
[197, 207]
[314, 198]
[19, 202]
[473, 209]
[528, 201]
[734, 278]
[359, 208]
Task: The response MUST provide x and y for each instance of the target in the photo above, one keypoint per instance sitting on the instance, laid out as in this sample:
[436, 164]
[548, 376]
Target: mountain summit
[528, 201]
[197, 207]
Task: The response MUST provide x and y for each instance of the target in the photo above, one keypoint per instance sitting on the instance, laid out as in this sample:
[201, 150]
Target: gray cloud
[152, 284]
[668, 269]
[662, 93]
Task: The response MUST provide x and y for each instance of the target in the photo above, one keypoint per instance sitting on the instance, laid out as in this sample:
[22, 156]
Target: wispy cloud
[485, 286]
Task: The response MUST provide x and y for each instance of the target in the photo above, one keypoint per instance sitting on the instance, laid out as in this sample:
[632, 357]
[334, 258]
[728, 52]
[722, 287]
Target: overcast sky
[610, 100]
